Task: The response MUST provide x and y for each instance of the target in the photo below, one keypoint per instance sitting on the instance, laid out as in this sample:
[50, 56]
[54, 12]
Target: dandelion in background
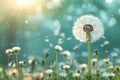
[49, 73]
[32, 63]
[88, 29]
[12, 64]
[66, 67]
[16, 50]
[58, 49]
[76, 75]
[63, 75]
[22, 64]
[9, 53]
[66, 53]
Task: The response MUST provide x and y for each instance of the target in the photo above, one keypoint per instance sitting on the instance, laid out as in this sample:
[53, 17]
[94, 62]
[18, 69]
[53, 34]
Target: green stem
[89, 63]
[97, 67]
[16, 61]
[57, 64]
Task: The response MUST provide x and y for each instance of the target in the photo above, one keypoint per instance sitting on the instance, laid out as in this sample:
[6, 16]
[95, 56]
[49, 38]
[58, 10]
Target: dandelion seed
[80, 34]
[60, 41]
[69, 38]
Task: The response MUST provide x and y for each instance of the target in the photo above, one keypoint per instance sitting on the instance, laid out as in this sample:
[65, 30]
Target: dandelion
[83, 66]
[38, 76]
[66, 53]
[91, 23]
[66, 67]
[13, 72]
[63, 74]
[22, 64]
[32, 63]
[88, 29]
[76, 75]
[49, 71]
[9, 53]
[12, 64]
[94, 61]
[16, 50]
[58, 49]
[106, 60]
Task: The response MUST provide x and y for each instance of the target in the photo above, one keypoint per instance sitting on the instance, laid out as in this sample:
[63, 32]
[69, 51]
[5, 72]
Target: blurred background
[37, 26]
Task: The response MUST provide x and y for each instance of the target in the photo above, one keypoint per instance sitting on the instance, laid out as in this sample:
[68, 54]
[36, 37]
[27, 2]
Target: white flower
[8, 51]
[66, 53]
[31, 61]
[63, 74]
[12, 64]
[83, 65]
[13, 72]
[94, 60]
[22, 63]
[106, 60]
[15, 50]
[80, 34]
[48, 71]
[66, 66]
[76, 75]
[110, 67]
[58, 47]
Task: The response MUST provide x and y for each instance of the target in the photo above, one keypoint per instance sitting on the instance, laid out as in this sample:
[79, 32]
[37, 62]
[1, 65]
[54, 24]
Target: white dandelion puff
[94, 26]
[58, 47]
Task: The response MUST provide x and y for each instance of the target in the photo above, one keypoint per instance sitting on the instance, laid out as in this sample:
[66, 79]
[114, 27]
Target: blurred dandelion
[16, 50]
[9, 53]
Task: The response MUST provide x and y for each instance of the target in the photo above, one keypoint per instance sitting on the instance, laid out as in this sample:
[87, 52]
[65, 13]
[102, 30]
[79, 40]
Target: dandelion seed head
[48, 71]
[66, 53]
[94, 60]
[66, 66]
[76, 75]
[16, 48]
[58, 47]
[106, 60]
[83, 65]
[63, 74]
[80, 34]
[9, 51]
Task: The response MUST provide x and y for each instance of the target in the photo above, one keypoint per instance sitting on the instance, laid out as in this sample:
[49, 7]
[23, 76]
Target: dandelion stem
[16, 61]
[89, 63]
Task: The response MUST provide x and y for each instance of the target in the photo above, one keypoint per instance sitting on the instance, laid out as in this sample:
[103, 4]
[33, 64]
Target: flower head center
[88, 28]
